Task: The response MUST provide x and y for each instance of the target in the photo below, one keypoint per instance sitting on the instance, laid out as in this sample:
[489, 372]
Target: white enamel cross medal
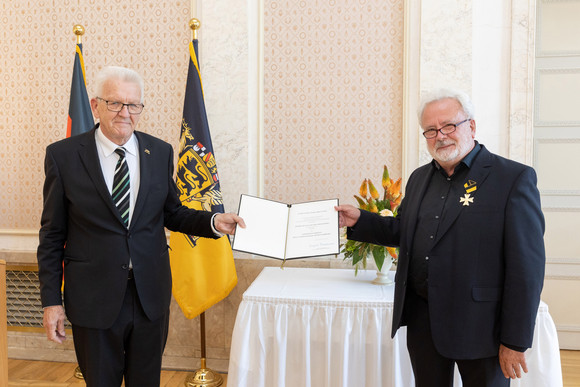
[470, 187]
[466, 199]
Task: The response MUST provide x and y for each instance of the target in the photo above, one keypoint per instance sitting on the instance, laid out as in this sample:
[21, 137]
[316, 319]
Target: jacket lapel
[145, 167]
[413, 203]
[90, 159]
[477, 173]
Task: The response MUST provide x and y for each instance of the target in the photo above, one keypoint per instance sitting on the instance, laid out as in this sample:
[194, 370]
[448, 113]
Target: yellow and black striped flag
[203, 269]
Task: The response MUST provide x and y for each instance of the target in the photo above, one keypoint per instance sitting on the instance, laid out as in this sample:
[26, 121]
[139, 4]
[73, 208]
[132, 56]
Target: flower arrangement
[388, 205]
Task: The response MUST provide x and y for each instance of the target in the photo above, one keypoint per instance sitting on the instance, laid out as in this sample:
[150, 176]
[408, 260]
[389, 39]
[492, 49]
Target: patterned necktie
[120, 192]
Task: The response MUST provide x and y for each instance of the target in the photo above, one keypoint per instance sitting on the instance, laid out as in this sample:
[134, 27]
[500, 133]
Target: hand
[512, 362]
[226, 223]
[347, 215]
[53, 322]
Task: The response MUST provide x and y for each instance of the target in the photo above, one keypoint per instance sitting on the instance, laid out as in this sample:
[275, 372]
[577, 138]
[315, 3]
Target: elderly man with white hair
[471, 262]
[108, 196]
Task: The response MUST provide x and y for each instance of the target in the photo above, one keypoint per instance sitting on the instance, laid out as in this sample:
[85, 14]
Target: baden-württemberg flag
[80, 117]
[203, 269]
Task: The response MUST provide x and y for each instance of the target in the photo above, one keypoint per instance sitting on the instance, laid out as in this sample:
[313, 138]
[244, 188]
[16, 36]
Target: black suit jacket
[81, 227]
[486, 267]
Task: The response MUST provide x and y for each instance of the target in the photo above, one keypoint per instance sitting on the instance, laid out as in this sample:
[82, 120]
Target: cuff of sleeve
[215, 231]
[515, 348]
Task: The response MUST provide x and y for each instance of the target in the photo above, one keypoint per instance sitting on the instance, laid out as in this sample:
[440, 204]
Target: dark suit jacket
[81, 226]
[486, 267]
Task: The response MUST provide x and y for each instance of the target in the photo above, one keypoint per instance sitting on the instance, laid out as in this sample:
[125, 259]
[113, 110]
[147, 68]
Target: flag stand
[203, 377]
[79, 31]
[79, 373]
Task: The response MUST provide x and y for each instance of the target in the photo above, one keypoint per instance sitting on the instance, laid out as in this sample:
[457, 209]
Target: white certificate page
[313, 229]
[283, 231]
[266, 225]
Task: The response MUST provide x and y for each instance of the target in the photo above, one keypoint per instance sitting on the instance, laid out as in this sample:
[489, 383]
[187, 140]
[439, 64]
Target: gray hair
[439, 94]
[118, 73]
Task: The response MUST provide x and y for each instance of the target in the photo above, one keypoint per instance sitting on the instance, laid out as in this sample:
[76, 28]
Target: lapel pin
[147, 151]
[470, 186]
[466, 199]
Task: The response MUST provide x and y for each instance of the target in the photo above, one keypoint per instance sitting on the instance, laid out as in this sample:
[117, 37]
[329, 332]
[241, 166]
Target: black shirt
[432, 210]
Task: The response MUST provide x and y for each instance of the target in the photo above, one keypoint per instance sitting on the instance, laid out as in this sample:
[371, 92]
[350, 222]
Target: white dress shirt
[108, 158]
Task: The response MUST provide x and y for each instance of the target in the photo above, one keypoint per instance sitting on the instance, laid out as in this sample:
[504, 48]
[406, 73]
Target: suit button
[426, 258]
[125, 267]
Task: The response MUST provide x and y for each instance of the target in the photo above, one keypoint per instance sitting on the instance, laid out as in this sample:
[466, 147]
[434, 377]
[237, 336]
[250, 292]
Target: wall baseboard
[563, 268]
[18, 240]
[569, 336]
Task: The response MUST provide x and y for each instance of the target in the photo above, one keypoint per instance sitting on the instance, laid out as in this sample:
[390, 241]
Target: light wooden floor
[570, 368]
[53, 374]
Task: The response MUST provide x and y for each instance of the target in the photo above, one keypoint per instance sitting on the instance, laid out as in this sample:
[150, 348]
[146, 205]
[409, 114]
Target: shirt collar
[109, 146]
[467, 160]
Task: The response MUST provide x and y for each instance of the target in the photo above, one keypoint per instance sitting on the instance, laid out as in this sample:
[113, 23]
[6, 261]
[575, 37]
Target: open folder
[287, 231]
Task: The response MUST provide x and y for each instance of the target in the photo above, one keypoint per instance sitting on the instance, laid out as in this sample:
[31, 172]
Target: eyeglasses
[447, 129]
[132, 108]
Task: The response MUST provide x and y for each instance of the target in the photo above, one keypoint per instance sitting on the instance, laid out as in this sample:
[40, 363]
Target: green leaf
[379, 256]
[356, 257]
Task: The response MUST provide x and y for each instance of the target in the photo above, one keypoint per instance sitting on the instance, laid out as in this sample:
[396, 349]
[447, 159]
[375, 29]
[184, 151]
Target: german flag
[80, 117]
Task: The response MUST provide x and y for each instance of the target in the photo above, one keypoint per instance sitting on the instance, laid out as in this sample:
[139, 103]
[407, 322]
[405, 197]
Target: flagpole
[203, 377]
[79, 31]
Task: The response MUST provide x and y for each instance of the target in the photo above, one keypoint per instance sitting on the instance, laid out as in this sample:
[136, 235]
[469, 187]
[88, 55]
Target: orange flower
[362, 205]
[373, 190]
[395, 189]
[386, 179]
[396, 202]
[363, 189]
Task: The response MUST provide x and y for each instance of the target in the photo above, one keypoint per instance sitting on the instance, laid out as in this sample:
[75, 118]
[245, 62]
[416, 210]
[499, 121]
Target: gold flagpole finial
[194, 24]
[79, 31]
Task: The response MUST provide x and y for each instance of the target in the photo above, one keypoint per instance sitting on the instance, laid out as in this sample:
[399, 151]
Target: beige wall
[556, 157]
[333, 96]
[36, 69]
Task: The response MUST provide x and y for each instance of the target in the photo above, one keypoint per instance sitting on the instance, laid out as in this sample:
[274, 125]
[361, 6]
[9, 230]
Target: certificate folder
[287, 231]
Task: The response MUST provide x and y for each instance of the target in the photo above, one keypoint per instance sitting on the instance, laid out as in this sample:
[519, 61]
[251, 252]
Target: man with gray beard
[471, 262]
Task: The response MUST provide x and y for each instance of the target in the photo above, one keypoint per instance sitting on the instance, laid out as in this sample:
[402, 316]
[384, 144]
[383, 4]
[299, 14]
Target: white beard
[445, 155]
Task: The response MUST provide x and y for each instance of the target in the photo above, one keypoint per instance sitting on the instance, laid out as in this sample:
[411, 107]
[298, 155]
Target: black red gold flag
[80, 117]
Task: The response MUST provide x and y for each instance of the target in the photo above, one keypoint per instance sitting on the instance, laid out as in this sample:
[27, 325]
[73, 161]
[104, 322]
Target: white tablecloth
[326, 327]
